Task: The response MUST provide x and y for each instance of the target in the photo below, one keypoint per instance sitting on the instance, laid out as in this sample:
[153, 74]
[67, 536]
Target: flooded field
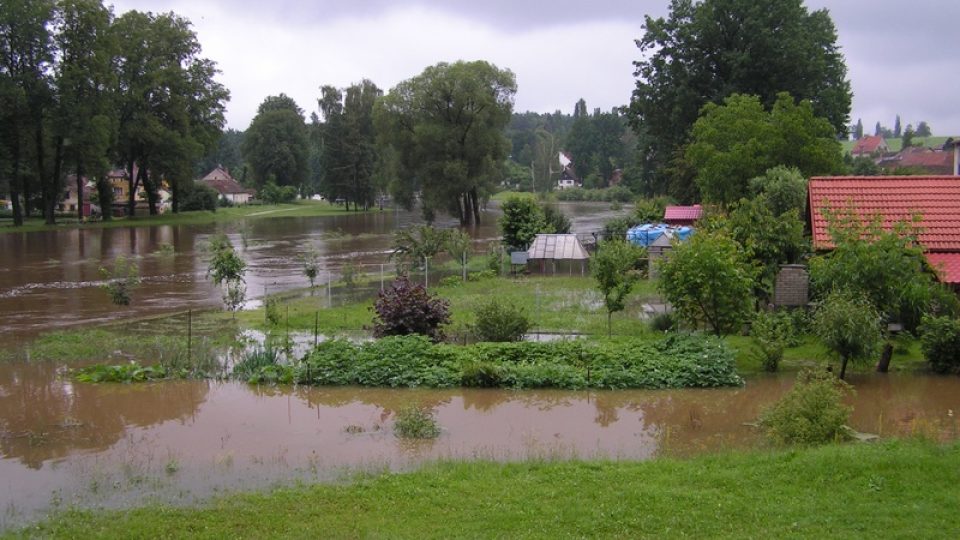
[51, 280]
[69, 444]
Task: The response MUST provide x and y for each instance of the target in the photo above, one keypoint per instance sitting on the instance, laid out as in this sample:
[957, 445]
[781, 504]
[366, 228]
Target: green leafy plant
[940, 342]
[310, 260]
[708, 281]
[412, 245]
[771, 333]
[849, 326]
[414, 422]
[615, 266]
[811, 413]
[121, 281]
[226, 269]
[500, 320]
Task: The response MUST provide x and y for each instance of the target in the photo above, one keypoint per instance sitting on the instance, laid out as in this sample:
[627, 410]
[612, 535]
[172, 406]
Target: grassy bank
[889, 490]
[297, 209]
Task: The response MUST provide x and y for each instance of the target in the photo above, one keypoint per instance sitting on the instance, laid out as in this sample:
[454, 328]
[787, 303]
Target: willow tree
[447, 125]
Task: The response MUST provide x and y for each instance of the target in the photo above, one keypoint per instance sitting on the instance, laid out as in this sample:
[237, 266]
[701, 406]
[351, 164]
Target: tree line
[83, 91]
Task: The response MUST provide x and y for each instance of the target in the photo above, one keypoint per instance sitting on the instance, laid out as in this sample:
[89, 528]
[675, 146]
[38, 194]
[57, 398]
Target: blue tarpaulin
[647, 234]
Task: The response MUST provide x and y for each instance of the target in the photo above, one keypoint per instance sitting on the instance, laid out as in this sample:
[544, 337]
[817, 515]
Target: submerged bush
[940, 341]
[123, 373]
[501, 320]
[811, 413]
[416, 423]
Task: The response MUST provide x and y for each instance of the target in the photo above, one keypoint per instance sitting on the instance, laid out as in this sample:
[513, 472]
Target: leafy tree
[886, 267]
[732, 143]
[310, 260]
[766, 238]
[707, 279]
[521, 221]
[274, 194]
[863, 166]
[121, 281]
[227, 154]
[556, 221]
[226, 269]
[858, 130]
[908, 136]
[923, 129]
[85, 119]
[447, 126]
[705, 51]
[403, 309]
[896, 128]
[878, 130]
[170, 107]
[348, 154]
[275, 144]
[614, 266]
[413, 245]
[849, 326]
[783, 188]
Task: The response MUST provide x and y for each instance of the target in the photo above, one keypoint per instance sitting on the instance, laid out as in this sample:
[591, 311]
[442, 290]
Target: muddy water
[112, 445]
[51, 280]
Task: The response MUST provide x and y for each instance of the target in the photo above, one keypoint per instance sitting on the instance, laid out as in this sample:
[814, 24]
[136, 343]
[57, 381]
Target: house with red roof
[920, 159]
[228, 188]
[896, 199]
[868, 146]
[682, 215]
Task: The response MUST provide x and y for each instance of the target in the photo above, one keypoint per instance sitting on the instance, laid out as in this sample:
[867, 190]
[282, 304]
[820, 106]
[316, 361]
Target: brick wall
[793, 286]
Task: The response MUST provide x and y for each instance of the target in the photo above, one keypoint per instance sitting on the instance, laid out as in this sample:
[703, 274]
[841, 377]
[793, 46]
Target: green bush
[662, 322]
[198, 196]
[274, 194]
[940, 342]
[500, 320]
[811, 413]
[416, 423]
[771, 331]
[123, 373]
[254, 360]
[409, 361]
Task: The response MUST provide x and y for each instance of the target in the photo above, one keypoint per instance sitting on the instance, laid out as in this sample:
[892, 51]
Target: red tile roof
[683, 213]
[897, 199]
[947, 266]
[868, 145]
[934, 161]
[220, 180]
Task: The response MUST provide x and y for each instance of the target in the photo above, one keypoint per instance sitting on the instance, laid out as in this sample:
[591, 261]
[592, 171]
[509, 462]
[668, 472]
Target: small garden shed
[550, 252]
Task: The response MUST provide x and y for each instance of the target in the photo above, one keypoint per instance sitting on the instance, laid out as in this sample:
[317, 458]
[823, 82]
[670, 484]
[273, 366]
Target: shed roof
[683, 213]
[220, 180]
[558, 247]
[896, 199]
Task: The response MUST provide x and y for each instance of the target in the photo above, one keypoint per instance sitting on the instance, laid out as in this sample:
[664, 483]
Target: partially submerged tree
[447, 126]
[121, 281]
[615, 266]
[226, 269]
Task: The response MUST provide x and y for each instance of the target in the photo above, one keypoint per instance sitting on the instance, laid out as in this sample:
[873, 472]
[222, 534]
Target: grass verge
[891, 490]
[297, 209]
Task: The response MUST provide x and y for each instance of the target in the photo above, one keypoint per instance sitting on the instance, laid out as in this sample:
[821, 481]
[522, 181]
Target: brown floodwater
[52, 280]
[69, 444]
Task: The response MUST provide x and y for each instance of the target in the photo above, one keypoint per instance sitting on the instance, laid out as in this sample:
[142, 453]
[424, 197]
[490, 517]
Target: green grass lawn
[893, 489]
[297, 209]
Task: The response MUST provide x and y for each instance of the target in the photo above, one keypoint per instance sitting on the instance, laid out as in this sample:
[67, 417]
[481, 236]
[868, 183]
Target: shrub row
[678, 361]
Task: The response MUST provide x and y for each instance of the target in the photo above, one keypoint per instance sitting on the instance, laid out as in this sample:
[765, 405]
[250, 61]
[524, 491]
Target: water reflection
[65, 437]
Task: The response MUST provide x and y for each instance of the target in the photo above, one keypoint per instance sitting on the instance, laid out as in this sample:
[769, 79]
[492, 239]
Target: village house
[870, 146]
[228, 188]
[896, 199]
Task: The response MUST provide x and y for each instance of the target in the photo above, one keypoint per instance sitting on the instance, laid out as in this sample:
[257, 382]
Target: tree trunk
[843, 368]
[105, 192]
[79, 193]
[132, 181]
[476, 206]
[15, 187]
[884, 364]
[151, 188]
[175, 196]
[48, 195]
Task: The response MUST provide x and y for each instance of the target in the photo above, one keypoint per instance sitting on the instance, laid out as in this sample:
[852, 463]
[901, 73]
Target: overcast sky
[902, 57]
